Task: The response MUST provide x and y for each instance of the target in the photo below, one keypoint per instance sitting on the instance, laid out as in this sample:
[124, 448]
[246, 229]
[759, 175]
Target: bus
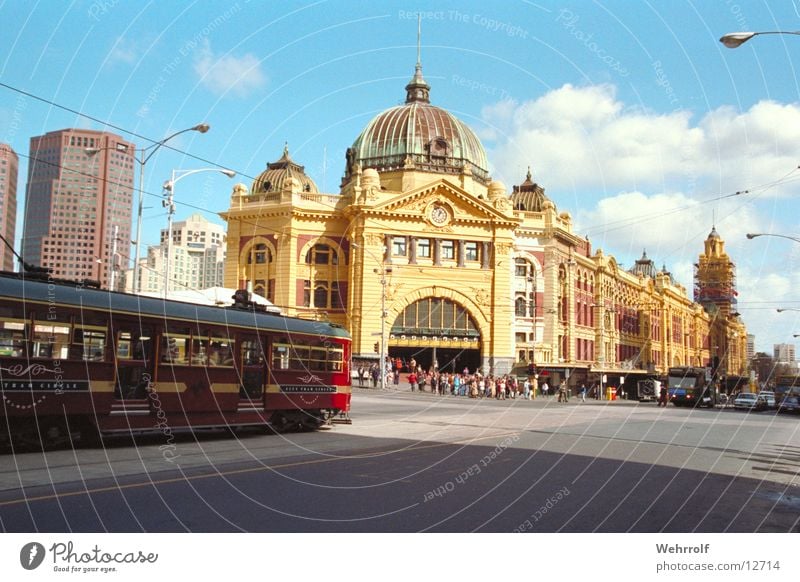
[691, 386]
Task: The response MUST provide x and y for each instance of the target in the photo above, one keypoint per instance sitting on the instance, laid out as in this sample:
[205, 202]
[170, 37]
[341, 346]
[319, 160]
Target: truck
[648, 390]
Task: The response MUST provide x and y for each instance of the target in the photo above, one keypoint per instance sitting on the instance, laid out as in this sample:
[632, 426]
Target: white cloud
[670, 226]
[126, 51]
[584, 136]
[224, 74]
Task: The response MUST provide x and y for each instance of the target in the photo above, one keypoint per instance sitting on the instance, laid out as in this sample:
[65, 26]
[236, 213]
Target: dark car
[790, 404]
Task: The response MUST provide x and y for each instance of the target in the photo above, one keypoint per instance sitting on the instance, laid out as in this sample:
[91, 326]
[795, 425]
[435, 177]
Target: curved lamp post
[751, 236]
[169, 204]
[144, 155]
[736, 39]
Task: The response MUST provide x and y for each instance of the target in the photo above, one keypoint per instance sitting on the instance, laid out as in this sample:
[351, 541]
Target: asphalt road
[419, 462]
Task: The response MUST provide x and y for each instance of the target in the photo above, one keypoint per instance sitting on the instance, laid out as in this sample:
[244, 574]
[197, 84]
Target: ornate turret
[529, 196]
[281, 173]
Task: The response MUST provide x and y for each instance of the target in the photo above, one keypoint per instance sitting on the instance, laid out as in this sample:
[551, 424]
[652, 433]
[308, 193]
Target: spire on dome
[417, 89]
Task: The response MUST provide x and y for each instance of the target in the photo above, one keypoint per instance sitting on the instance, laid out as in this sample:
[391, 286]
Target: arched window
[259, 255]
[321, 254]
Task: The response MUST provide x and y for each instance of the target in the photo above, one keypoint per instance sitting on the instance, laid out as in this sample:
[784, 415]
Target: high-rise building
[78, 204]
[9, 164]
[198, 258]
[783, 353]
[751, 346]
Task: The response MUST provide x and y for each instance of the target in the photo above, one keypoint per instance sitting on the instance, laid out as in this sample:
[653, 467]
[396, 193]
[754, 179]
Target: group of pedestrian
[473, 385]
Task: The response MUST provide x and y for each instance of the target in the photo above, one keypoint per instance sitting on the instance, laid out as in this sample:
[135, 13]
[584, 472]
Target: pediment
[433, 200]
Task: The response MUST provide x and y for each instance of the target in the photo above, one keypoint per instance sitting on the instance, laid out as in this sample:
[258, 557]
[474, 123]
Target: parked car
[769, 397]
[749, 401]
[790, 404]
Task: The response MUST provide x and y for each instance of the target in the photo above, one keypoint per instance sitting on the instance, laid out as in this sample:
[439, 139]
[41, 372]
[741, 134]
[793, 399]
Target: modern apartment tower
[78, 205]
[9, 165]
[783, 353]
[197, 262]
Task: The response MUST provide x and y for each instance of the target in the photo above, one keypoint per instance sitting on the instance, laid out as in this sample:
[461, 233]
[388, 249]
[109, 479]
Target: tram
[77, 361]
[691, 386]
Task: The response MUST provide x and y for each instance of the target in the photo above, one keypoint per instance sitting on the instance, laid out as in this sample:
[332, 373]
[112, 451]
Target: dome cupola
[529, 196]
[420, 136]
[281, 174]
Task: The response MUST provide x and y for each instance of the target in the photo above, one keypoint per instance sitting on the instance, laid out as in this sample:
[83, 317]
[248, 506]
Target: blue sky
[633, 116]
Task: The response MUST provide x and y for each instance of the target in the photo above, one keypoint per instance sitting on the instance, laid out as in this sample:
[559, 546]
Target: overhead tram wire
[758, 190]
[118, 128]
[616, 225]
[112, 182]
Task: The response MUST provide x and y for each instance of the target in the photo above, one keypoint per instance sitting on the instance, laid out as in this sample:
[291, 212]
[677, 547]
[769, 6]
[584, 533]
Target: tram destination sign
[44, 385]
[304, 388]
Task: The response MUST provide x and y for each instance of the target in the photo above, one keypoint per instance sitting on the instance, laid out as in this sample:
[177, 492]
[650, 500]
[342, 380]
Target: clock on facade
[438, 215]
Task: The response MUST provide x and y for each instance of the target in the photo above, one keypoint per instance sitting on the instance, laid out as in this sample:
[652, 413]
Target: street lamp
[144, 155]
[169, 204]
[382, 272]
[751, 236]
[736, 39]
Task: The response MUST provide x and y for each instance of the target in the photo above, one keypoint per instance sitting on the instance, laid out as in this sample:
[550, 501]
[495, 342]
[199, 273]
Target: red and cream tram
[76, 359]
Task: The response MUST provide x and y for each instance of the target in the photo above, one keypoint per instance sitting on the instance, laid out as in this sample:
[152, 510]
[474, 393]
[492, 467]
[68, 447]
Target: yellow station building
[421, 254]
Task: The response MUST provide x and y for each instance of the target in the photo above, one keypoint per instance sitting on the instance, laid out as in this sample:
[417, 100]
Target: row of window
[425, 248]
[185, 347]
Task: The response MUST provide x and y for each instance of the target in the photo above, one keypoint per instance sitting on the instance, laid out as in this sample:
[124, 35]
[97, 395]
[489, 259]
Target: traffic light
[531, 369]
[376, 347]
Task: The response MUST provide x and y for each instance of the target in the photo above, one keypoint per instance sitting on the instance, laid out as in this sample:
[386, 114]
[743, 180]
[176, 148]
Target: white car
[769, 397]
[749, 401]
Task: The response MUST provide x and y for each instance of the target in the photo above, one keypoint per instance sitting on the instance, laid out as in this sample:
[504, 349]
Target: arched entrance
[436, 332]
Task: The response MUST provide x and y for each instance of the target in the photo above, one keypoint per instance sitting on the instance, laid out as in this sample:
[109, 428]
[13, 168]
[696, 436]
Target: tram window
[251, 353]
[222, 350]
[90, 343]
[199, 351]
[12, 338]
[317, 359]
[174, 349]
[129, 347]
[298, 357]
[50, 340]
[335, 359]
[280, 356]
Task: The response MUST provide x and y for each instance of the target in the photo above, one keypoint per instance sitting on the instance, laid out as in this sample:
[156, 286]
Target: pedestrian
[562, 392]
[545, 388]
[375, 373]
[526, 389]
[583, 392]
[362, 375]
[412, 380]
[662, 397]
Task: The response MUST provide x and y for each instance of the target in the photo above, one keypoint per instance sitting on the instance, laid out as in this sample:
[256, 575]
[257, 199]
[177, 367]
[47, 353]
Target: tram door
[134, 362]
[254, 372]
